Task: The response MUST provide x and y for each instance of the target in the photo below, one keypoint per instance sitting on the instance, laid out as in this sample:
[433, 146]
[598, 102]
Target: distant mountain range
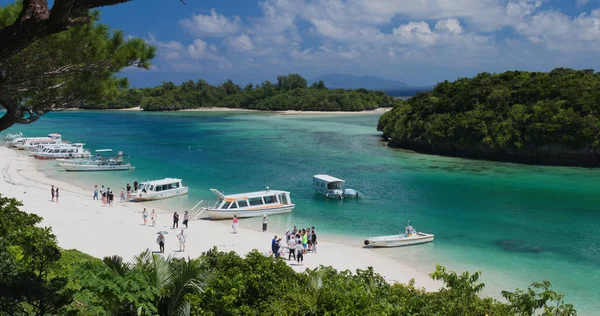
[345, 81]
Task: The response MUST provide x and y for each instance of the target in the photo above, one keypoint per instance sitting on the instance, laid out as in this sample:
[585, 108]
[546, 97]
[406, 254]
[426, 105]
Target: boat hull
[398, 240]
[79, 167]
[65, 156]
[159, 195]
[241, 213]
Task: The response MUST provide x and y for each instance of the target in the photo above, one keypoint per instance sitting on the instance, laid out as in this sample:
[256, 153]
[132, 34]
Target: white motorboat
[65, 151]
[332, 187]
[31, 142]
[96, 160]
[252, 204]
[410, 237]
[102, 165]
[159, 189]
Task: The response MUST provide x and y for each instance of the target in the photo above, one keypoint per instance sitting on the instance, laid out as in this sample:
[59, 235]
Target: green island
[39, 278]
[525, 117]
[288, 93]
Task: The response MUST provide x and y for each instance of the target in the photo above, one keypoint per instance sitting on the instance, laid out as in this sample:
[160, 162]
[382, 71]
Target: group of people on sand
[152, 217]
[298, 243]
[186, 219]
[161, 239]
[55, 193]
[107, 196]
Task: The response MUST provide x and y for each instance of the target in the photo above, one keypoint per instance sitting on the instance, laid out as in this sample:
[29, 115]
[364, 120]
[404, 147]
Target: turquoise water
[517, 224]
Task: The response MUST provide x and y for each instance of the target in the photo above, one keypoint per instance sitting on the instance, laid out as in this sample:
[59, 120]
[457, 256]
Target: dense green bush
[508, 114]
[290, 93]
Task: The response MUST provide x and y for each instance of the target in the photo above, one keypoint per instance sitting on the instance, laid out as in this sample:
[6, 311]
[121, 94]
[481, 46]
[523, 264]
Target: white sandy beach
[82, 223]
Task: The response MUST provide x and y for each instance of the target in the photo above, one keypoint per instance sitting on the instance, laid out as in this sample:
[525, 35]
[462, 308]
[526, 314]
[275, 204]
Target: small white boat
[159, 189]
[31, 142]
[251, 204]
[64, 151]
[103, 165]
[332, 187]
[410, 237]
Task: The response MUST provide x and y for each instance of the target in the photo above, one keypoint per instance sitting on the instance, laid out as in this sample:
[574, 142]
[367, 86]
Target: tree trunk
[7, 121]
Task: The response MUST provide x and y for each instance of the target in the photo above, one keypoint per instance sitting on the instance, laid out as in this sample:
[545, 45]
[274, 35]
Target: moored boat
[332, 187]
[103, 165]
[159, 189]
[31, 142]
[251, 204]
[64, 151]
[410, 237]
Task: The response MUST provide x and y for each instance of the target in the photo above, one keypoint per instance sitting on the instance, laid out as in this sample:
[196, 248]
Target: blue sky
[419, 42]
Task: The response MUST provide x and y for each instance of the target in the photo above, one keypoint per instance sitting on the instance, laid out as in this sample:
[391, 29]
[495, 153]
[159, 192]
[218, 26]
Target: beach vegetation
[288, 93]
[64, 58]
[529, 117]
[37, 278]
[28, 255]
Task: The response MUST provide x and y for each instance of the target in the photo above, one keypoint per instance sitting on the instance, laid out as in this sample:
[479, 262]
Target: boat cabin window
[283, 199]
[242, 203]
[270, 199]
[233, 205]
[333, 185]
[226, 205]
[255, 201]
[166, 187]
[175, 185]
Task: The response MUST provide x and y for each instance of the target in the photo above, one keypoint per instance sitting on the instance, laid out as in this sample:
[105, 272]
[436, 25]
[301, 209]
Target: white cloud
[215, 25]
[558, 31]
[240, 43]
[198, 49]
[451, 26]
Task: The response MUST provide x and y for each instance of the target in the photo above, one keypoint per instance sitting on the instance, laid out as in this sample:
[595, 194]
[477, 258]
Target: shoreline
[224, 109]
[84, 224]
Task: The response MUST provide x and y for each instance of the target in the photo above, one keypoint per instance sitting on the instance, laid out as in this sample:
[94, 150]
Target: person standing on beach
[122, 195]
[186, 218]
[265, 221]
[161, 242]
[95, 192]
[292, 247]
[145, 216]
[135, 186]
[57, 194]
[175, 220]
[181, 238]
[304, 240]
[235, 224]
[104, 199]
[128, 192]
[153, 218]
[314, 240]
[299, 255]
[273, 243]
[52, 192]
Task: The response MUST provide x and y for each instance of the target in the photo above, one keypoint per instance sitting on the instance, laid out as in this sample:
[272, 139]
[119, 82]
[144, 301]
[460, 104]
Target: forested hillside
[288, 93]
[527, 117]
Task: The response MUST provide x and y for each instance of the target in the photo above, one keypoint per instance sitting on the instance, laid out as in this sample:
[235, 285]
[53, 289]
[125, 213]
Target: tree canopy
[37, 278]
[289, 93]
[529, 117]
[66, 67]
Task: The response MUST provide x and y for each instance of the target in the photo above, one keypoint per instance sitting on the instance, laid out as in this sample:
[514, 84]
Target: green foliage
[290, 93]
[69, 68]
[508, 114]
[27, 256]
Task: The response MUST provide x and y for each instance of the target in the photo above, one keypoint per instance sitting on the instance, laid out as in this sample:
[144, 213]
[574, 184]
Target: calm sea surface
[517, 224]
